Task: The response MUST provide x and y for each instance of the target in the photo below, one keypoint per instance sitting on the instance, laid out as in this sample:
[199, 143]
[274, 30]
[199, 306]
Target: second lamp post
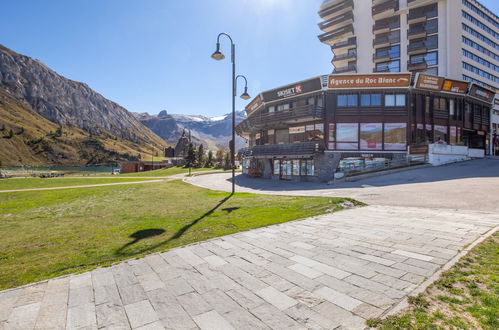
[217, 55]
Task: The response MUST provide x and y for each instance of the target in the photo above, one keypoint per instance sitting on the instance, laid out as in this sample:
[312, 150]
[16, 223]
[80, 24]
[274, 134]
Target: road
[472, 185]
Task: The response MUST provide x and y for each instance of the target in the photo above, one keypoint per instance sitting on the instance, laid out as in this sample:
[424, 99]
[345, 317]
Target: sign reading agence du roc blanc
[299, 88]
[369, 80]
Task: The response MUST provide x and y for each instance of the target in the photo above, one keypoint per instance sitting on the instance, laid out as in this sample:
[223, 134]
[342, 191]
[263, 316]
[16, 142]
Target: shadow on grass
[146, 233]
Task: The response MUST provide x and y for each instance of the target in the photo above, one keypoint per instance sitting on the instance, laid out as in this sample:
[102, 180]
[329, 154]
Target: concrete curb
[403, 304]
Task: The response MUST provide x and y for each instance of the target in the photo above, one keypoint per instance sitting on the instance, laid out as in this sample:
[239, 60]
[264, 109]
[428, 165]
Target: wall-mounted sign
[299, 88]
[481, 93]
[253, 105]
[455, 86]
[426, 81]
[369, 80]
[296, 130]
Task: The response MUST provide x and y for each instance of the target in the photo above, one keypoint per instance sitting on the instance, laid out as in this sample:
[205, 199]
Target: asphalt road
[472, 185]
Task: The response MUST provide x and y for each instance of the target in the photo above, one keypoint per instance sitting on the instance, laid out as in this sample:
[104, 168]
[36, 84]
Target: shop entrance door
[286, 170]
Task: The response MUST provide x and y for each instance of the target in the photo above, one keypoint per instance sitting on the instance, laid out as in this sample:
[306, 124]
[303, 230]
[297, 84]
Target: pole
[233, 147]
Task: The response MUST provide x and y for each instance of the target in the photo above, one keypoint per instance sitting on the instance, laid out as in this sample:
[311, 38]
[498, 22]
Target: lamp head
[217, 55]
[245, 95]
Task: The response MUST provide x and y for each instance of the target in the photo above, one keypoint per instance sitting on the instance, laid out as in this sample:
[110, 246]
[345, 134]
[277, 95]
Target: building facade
[312, 129]
[457, 39]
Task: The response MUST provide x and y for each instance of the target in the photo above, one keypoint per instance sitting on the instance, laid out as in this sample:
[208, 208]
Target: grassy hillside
[26, 138]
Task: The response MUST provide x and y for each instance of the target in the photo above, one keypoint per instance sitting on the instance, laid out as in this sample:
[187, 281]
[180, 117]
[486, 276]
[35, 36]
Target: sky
[153, 55]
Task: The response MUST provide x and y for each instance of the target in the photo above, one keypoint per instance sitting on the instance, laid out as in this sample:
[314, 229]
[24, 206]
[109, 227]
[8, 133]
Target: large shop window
[441, 133]
[394, 100]
[439, 103]
[370, 100]
[395, 136]
[294, 167]
[371, 136]
[347, 136]
[347, 100]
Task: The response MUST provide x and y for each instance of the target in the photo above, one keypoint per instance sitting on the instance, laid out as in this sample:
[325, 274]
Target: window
[441, 133]
[390, 66]
[479, 24]
[347, 136]
[271, 109]
[371, 136]
[481, 13]
[282, 107]
[394, 100]
[439, 103]
[480, 60]
[427, 105]
[311, 101]
[347, 100]
[277, 167]
[452, 108]
[480, 72]
[370, 99]
[431, 42]
[480, 48]
[395, 136]
[430, 58]
[282, 136]
[391, 52]
[479, 36]
[307, 167]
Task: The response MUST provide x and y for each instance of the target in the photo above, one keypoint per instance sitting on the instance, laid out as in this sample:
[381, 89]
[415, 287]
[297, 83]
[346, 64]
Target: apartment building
[458, 39]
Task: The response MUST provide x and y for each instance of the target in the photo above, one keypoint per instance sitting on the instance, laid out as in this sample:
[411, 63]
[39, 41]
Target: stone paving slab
[326, 272]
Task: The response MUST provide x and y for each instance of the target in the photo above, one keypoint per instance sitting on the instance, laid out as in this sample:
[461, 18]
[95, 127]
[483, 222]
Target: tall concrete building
[458, 39]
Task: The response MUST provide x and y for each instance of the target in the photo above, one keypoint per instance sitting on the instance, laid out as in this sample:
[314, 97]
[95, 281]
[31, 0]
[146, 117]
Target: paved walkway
[327, 272]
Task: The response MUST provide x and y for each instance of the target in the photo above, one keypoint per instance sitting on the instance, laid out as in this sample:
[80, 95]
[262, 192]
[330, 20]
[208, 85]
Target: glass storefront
[288, 168]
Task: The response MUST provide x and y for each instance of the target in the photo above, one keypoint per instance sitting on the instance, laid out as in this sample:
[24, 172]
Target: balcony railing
[340, 19]
[420, 64]
[389, 6]
[343, 57]
[336, 9]
[301, 148]
[336, 33]
[417, 31]
[347, 68]
[386, 40]
[386, 24]
[346, 43]
[417, 47]
[262, 119]
[419, 3]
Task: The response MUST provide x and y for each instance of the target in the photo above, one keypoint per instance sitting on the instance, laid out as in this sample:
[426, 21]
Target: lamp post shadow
[146, 233]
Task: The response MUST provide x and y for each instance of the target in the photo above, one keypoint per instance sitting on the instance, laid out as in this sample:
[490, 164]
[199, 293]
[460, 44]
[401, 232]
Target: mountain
[213, 132]
[56, 120]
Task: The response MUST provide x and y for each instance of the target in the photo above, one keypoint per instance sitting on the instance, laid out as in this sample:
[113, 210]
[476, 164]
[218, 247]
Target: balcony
[416, 32]
[343, 33]
[418, 3]
[385, 9]
[417, 65]
[381, 57]
[336, 8]
[336, 22]
[417, 47]
[343, 44]
[344, 57]
[386, 25]
[386, 40]
[345, 69]
[261, 120]
[302, 148]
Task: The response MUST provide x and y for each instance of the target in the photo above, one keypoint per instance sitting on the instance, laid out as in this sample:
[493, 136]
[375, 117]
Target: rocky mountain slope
[38, 103]
[213, 132]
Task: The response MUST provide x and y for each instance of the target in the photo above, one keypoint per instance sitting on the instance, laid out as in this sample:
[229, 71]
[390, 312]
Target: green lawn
[27, 183]
[55, 232]
[168, 172]
[465, 297]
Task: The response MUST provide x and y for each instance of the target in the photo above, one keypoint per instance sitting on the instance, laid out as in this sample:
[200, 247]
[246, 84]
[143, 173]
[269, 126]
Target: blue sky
[150, 55]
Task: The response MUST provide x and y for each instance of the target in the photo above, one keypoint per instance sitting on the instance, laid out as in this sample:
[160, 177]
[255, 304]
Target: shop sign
[310, 127]
[455, 86]
[481, 93]
[319, 127]
[369, 80]
[303, 87]
[253, 105]
[296, 130]
[426, 81]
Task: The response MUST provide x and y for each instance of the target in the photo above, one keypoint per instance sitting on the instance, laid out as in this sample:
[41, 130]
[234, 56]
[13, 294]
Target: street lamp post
[217, 55]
